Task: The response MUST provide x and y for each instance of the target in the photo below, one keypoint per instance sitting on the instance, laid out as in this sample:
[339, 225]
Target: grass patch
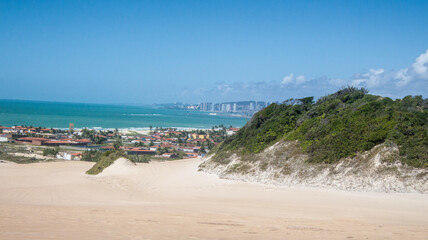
[240, 168]
[139, 158]
[19, 159]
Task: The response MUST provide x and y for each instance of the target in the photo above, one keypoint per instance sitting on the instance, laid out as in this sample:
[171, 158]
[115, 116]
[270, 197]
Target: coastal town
[38, 143]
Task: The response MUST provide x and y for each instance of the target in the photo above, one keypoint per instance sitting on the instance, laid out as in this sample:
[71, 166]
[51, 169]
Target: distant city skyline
[231, 107]
[145, 52]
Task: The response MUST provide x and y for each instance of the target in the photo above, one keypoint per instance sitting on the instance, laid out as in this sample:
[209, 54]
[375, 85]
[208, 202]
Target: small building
[70, 156]
[56, 143]
[32, 140]
[138, 151]
[231, 131]
[191, 155]
[199, 136]
[169, 155]
[4, 138]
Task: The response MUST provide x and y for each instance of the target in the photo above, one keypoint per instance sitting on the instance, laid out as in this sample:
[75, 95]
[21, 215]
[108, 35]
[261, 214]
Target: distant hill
[348, 126]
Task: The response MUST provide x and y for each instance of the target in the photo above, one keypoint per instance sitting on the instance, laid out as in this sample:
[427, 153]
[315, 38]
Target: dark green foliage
[50, 151]
[117, 144]
[340, 125]
[107, 158]
[92, 135]
[266, 127]
[140, 158]
[91, 155]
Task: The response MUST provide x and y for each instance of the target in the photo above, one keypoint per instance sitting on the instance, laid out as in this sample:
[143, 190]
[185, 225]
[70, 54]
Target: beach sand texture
[172, 200]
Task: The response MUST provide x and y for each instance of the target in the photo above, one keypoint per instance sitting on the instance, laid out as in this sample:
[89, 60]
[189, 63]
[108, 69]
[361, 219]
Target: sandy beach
[172, 200]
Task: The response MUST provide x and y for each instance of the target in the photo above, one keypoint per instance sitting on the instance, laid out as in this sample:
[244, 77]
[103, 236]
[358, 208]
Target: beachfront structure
[49, 142]
[139, 151]
[199, 136]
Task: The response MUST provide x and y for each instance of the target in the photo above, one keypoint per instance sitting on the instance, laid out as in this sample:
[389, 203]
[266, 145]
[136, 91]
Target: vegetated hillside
[345, 125]
[340, 125]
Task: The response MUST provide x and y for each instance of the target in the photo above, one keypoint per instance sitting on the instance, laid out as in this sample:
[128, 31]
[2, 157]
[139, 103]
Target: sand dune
[121, 166]
[172, 200]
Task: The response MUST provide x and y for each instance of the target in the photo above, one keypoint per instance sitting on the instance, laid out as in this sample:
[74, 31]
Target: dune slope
[172, 200]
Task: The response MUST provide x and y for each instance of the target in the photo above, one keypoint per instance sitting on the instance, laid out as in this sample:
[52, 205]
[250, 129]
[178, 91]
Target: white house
[3, 138]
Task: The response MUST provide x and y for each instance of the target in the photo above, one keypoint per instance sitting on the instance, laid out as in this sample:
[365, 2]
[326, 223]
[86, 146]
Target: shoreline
[126, 128]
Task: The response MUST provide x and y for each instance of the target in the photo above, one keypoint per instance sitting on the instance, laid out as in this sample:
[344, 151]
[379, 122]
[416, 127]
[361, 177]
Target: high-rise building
[252, 106]
[228, 107]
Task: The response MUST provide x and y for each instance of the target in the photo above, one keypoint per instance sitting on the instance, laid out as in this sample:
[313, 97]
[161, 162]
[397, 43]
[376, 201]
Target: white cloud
[288, 79]
[403, 77]
[396, 84]
[380, 78]
[373, 78]
[420, 66]
[300, 79]
[224, 88]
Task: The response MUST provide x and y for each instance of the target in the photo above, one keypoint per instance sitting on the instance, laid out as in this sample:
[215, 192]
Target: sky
[144, 52]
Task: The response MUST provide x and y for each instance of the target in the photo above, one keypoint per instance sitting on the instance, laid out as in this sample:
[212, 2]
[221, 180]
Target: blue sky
[144, 52]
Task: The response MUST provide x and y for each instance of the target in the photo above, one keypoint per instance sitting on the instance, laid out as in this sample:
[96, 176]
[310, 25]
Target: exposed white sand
[121, 167]
[171, 200]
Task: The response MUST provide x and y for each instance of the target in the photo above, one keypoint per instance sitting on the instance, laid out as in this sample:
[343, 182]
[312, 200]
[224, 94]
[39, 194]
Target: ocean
[103, 116]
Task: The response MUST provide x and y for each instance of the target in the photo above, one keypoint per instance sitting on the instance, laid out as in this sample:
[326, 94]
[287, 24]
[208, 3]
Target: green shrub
[50, 151]
[140, 158]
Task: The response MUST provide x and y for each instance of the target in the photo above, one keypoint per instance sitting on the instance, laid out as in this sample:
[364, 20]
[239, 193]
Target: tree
[210, 145]
[98, 140]
[117, 144]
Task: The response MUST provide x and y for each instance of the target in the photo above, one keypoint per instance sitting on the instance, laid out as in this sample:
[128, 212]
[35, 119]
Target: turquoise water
[59, 115]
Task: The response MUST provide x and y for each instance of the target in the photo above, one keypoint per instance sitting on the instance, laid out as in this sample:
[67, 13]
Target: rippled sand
[172, 200]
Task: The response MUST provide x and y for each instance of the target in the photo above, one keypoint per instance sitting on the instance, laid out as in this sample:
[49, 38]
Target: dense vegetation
[50, 151]
[91, 155]
[106, 159]
[139, 158]
[339, 125]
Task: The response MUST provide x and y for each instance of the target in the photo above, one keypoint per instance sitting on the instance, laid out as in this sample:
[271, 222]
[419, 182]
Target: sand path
[172, 200]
